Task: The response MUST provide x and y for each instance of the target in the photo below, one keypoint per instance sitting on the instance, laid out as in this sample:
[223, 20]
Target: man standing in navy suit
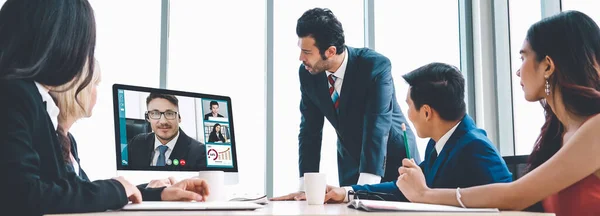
[458, 154]
[353, 88]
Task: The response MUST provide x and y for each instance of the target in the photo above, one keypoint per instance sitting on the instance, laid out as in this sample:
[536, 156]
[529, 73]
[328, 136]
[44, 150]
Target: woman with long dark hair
[216, 135]
[560, 67]
[45, 44]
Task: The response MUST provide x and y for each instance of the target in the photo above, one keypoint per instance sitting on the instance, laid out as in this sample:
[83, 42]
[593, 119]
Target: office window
[528, 117]
[218, 47]
[128, 50]
[287, 87]
[410, 38]
[589, 7]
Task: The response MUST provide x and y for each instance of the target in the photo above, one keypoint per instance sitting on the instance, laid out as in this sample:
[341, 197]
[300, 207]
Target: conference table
[298, 208]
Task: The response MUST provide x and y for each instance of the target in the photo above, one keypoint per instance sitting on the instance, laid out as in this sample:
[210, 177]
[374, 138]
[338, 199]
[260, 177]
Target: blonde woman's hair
[65, 96]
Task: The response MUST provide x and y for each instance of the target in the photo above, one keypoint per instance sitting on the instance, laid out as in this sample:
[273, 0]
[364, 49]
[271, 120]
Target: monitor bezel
[120, 166]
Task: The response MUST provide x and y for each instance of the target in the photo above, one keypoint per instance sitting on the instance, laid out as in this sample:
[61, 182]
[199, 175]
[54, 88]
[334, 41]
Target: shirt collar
[51, 107]
[342, 69]
[440, 144]
[170, 144]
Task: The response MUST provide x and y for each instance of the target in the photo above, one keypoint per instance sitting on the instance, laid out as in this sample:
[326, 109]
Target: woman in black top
[216, 135]
[45, 44]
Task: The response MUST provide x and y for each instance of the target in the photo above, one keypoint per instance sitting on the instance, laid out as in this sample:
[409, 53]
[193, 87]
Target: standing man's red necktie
[332, 92]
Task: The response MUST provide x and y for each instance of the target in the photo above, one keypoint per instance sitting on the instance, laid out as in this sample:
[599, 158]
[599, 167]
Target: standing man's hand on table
[297, 196]
[332, 195]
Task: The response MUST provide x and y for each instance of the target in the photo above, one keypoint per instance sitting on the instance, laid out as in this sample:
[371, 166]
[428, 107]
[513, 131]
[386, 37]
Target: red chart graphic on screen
[219, 155]
[213, 154]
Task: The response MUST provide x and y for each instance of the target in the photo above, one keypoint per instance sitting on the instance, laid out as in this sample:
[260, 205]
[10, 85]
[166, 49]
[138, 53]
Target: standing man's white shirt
[364, 178]
[53, 112]
[339, 74]
[170, 146]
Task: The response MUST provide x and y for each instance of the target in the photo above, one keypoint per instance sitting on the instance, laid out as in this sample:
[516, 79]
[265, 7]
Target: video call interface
[173, 132]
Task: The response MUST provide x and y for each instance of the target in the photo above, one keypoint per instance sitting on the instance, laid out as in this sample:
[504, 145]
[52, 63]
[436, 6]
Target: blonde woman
[74, 103]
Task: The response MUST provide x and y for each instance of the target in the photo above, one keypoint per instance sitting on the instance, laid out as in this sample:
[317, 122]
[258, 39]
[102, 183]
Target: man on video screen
[167, 143]
[214, 111]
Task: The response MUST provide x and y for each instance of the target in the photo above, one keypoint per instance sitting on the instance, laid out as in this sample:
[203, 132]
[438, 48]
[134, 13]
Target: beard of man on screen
[167, 142]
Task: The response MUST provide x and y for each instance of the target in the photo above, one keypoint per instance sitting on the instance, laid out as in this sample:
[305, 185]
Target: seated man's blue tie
[161, 157]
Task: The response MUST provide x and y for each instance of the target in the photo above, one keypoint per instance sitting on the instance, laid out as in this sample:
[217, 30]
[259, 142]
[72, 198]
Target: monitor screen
[167, 130]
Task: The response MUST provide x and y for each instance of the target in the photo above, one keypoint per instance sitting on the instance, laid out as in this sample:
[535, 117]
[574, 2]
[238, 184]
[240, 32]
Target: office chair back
[135, 127]
[517, 165]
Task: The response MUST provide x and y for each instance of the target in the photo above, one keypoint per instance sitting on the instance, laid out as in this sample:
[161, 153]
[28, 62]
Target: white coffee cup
[315, 185]
[216, 184]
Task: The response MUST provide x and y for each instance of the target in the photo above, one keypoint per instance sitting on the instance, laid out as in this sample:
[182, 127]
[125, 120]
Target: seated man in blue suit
[458, 154]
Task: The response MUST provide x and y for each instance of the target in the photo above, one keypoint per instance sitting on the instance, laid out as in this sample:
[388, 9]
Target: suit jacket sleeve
[386, 187]
[311, 134]
[150, 194]
[26, 190]
[378, 118]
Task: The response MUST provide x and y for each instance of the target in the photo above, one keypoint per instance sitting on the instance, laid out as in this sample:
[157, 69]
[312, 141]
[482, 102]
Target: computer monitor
[197, 130]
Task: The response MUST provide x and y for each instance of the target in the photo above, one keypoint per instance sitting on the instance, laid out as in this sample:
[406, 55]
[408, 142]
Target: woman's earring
[547, 87]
